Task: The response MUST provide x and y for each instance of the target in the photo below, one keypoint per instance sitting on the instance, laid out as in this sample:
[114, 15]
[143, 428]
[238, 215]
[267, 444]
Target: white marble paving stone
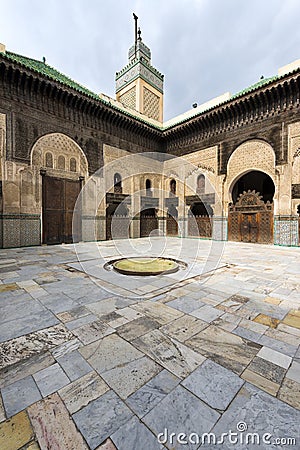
[93, 331]
[135, 435]
[109, 352]
[51, 379]
[130, 313]
[294, 372]
[74, 365]
[127, 378]
[82, 391]
[171, 354]
[213, 384]
[76, 323]
[101, 418]
[2, 413]
[65, 348]
[275, 357]
[181, 411]
[163, 314]
[279, 346]
[20, 394]
[207, 313]
[262, 413]
[149, 395]
[185, 304]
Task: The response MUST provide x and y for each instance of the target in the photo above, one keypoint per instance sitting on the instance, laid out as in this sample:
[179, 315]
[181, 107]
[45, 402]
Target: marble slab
[74, 365]
[29, 366]
[137, 327]
[127, 378]
[262, 414]
[135, 435]
[16, 432]
[109, 305]
[82, 391]
[51, 379]
[294, 372]
[109, 352]
[149, 395]
[19, 395]
[261, 382]
[207, 313]
[73, 314]
[53, 426]
[23, 347]
[160, 312]
[2, 413]
[76, 323]
[184, 327]
[275, 357]
[65, 348]
[101, 418]
[180, 412]
[224, 348]
[93, 331]
[267, 369]
[171, 354]
[213, 384]
[186, 304]
[289, 392]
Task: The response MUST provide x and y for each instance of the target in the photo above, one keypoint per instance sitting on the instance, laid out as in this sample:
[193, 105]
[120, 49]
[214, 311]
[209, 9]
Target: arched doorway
[250, 215]
[63, 167]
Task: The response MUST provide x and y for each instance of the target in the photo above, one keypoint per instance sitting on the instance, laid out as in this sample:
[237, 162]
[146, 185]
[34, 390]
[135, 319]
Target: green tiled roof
[254, 86]
[48, 71]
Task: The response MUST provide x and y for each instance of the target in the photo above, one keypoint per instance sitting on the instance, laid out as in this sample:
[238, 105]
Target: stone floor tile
[137, 327]
[275, 357]
[29, 366]
[159, 312]
[109, 352]
[207, 313]
[292, 320]
[267, 369]
[281, 336]
[129, 313]
[23, 347]
[213, 384]
[27, 324]
[172, 355]
[16, 432]
[266, 320]
[184, 327]
[272, 300]
[53, 426]
[51, 379]
[262, 414]
[107, 445]
[20, 394]
[129, 377]
[135, 435]
[186, 304]
[289, 392]
[93, 331]
[224, 348]
[247, 334]
[279, 346]
[294, 372]
[65, 348]
[73, 314]
[180, 411]
[109, 305]
[290, 330]
[74, 365]
[149, 395]
[261, 382]
[82, 391]
[76, 323]
[101, 418]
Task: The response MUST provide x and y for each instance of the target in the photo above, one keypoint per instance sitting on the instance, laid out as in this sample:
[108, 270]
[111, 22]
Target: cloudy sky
[203, 47]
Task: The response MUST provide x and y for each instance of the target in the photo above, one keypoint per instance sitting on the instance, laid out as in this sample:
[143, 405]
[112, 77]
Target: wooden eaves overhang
[278, 95]
[29, 86]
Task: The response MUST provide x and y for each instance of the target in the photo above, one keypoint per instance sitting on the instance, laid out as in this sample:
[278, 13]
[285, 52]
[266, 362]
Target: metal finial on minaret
[135, 17]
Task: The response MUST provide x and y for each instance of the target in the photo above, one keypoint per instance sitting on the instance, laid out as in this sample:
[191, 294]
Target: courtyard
[93, 359]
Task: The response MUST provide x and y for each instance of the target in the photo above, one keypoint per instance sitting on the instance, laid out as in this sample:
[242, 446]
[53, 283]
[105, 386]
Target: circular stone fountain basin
[145, 266]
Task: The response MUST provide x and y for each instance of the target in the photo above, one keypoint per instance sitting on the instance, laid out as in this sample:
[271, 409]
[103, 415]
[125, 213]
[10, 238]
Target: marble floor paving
[205, 358]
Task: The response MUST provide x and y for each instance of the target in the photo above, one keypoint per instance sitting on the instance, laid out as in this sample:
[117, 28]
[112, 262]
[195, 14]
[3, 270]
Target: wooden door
[249, 227]
[59, 199]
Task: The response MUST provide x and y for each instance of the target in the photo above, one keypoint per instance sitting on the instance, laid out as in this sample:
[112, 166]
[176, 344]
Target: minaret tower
[139, 85]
